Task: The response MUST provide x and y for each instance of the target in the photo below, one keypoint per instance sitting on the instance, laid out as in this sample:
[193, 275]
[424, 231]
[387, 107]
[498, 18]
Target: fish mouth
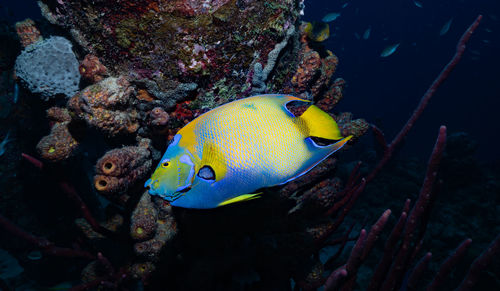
[157, 192]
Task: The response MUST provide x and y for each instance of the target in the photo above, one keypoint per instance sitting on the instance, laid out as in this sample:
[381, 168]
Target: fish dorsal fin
[212, 156]
[241, 198]
[320, 124]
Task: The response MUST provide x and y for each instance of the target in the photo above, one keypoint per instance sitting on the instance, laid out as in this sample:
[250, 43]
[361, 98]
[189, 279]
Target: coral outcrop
[28, 32]
[59, 145]
[120, 169]
[49, 67]
[185, 41]
[107, 105]
[91, 69]
[153, 225]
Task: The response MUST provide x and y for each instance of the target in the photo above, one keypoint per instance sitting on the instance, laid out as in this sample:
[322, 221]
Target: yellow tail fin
[320, 124]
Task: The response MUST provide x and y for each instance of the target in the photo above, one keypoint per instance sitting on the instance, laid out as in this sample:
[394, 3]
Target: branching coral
[260, 74]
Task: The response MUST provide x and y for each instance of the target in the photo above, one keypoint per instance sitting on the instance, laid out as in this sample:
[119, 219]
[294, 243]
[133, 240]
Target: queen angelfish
[227, 154]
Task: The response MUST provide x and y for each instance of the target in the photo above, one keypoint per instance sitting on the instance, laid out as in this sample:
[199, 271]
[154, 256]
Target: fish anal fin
[212, 156]
[320, 124]
[240, 198]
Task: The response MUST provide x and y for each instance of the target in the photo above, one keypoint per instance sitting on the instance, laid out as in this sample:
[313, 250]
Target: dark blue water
[386, 90]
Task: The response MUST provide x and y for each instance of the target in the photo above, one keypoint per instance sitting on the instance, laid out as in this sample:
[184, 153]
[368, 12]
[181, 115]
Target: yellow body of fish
[317, 31]
[228, 153]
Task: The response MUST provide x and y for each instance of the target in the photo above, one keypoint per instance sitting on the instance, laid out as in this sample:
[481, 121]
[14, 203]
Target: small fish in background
[330, 17]
[366, 34]
[345, 5]
[389, 50]
[446, 27]
[35, 255]
[356, 35]
[317, 31]
[485, 41]
[4, 142]
[488, 30]
[418, 4]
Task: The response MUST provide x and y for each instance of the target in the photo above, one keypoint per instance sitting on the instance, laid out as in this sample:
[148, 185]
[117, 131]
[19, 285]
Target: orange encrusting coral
[28, 33]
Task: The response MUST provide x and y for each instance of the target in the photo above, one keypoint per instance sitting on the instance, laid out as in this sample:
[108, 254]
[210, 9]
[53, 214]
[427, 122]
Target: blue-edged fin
[319, 150]
[212, 156]
[241, 198]
[338, 145]
[320, 124]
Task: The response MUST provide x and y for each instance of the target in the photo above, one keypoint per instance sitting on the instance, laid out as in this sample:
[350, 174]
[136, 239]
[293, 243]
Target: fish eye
[165, 164]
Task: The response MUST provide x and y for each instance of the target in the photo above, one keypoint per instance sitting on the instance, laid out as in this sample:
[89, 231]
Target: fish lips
[158, 191]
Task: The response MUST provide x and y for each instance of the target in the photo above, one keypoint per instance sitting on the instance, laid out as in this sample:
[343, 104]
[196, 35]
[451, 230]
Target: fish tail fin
[320, 124]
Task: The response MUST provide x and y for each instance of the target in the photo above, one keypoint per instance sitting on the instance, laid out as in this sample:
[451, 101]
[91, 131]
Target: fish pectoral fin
[214, 158]
[241, 198]
[320, 124]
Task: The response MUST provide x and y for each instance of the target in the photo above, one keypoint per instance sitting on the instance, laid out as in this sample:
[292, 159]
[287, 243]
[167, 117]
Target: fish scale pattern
[259, 141]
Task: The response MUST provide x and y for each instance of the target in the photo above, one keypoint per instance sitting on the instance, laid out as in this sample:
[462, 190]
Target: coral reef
[153, 225]
[91, 69]
[106, 106]
[158, 117]
[49, 67]
[181, 40]
[153, 67]
[28, 33]
[120, 169]
[59, 145]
